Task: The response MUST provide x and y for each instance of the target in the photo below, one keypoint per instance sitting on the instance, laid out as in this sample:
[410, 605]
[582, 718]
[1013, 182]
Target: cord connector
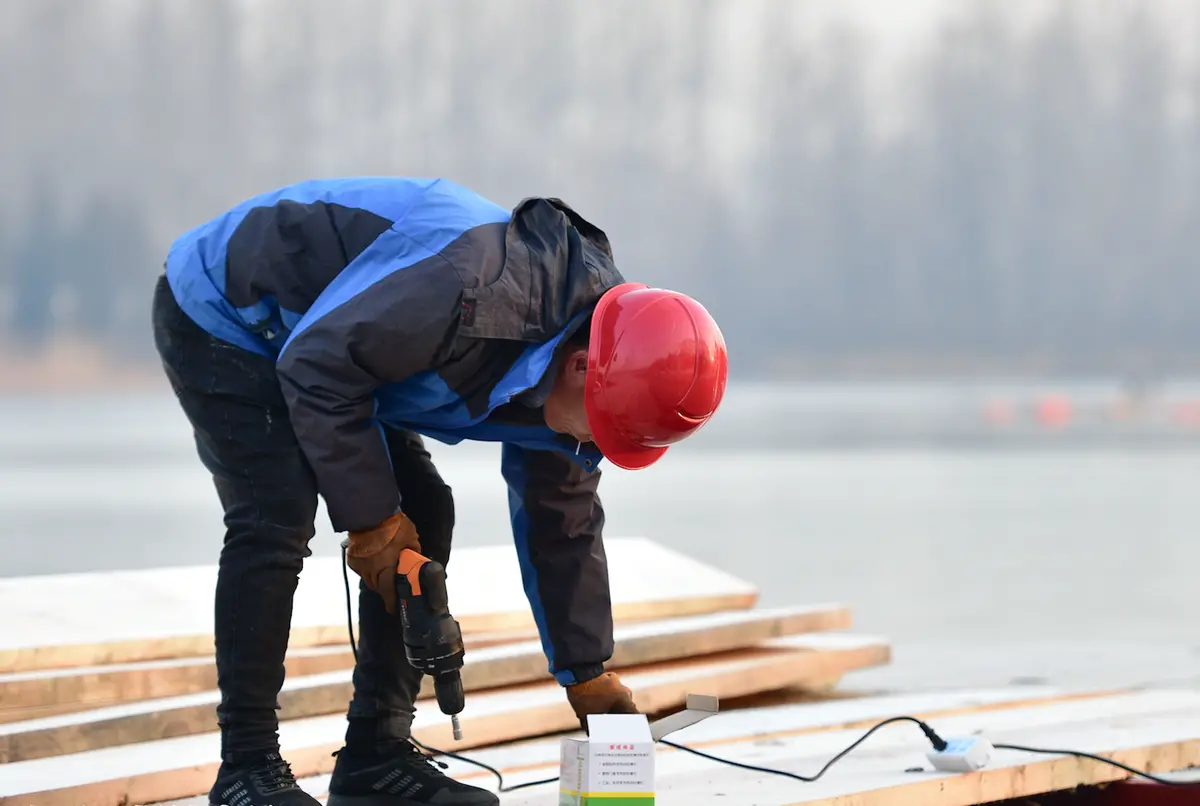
[961, 755]
[939, 744]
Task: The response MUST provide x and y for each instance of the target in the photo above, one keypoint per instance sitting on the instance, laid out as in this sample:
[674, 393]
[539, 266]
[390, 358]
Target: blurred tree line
[1039, 206]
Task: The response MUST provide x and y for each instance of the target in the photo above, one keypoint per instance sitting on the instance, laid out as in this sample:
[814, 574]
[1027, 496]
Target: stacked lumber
[108, 689]
[74, 620]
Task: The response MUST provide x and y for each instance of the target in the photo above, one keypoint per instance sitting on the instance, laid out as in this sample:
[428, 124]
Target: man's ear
[575, 367]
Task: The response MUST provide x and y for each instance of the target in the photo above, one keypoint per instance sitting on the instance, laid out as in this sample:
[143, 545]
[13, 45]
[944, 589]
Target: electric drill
[432, 638]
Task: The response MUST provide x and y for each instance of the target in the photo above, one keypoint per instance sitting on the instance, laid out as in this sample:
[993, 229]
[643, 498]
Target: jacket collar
[556, 264]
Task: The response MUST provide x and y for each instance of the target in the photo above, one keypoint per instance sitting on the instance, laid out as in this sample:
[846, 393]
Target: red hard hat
[657, 368]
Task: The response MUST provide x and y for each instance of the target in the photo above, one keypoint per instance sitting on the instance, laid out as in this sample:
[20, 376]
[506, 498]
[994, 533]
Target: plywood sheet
[116, 683]
[46, 692]
[64, 690]
[1156, 731]
[119, 617]
[176, 768]
[492, 667]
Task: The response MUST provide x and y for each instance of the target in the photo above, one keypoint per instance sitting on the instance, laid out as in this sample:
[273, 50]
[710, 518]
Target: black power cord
[349, 606]
[500, 787]
[938, 743]
[929, 732]
[934, 739]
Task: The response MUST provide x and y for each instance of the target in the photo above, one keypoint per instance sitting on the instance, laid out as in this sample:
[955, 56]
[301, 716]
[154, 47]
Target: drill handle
[424, 578]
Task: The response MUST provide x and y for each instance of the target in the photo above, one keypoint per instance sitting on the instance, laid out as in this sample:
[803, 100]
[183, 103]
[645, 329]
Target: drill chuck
[448, 689]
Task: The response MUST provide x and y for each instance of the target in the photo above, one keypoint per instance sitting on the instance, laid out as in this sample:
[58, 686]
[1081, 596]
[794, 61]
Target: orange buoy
[1054, 410]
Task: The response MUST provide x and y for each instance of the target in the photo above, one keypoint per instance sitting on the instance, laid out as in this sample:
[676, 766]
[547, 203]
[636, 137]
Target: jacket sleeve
[388, 316]
[557, 520]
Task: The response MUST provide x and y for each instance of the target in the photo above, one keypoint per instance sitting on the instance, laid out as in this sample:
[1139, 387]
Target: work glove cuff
[374, 554]
[369, 542]
[605, 694]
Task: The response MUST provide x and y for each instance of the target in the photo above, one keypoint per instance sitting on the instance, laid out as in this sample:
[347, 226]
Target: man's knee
[279, 527]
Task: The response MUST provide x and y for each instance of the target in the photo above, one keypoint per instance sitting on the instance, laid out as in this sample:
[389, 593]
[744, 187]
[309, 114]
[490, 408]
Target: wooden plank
[1150, 730]
[87, 619]
[31, 695]
[48, 692]
[305, 696]
[10, 715]
[182, 767]
[109, 684]
[116, 683]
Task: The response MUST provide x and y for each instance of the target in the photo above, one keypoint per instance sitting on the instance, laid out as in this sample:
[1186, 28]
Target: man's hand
[600, 695]
[375, 553]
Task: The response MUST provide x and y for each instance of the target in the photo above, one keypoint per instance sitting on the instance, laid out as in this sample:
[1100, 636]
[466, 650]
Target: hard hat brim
[625, 454]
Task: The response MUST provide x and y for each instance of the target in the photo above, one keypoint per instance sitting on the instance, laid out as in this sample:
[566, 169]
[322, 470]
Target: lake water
[992, 531]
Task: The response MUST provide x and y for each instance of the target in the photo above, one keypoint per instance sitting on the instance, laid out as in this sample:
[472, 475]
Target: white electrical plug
[961, 755]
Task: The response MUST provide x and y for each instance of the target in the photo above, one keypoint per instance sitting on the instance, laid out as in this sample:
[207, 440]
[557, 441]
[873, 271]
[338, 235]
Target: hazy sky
[896, 34]
[910, 172]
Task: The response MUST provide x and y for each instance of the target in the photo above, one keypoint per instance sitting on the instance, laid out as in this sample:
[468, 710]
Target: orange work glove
[600, 695]
[374, 554]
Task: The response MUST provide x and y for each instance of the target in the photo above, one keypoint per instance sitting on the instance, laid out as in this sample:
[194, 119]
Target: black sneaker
[269, 781]
[403, 776]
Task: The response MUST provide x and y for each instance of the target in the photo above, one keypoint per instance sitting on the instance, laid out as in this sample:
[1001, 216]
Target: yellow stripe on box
[608, 794]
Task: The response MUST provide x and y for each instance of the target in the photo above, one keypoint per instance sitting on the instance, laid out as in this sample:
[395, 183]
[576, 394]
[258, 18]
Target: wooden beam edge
[65, 656]
[777, 668]
[161, 720]
[1023, 781]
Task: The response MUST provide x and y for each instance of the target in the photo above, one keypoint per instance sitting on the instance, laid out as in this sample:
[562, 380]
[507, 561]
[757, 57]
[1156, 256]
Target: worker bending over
[312, 334]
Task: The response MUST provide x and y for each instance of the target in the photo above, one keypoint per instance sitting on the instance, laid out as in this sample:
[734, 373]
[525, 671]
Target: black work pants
[244, 437]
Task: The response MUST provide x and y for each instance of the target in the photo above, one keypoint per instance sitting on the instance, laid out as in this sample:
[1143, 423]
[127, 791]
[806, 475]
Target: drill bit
[457, 728]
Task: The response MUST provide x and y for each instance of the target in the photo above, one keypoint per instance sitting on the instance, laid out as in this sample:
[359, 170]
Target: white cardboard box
[613, 764]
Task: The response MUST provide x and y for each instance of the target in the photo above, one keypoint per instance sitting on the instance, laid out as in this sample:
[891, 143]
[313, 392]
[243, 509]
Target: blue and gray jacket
[418, 304]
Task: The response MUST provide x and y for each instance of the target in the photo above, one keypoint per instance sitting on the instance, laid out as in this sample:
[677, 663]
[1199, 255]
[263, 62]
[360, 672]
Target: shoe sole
[369, 800]
[384, 800]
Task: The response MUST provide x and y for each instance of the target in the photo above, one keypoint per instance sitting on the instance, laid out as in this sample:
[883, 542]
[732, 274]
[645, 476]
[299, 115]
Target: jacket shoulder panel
[293, 250]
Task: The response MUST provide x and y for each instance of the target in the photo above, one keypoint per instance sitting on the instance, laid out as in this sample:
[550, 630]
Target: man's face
[564, 409]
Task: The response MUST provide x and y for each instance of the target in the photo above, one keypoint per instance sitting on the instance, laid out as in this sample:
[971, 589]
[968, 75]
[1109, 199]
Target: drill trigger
[410, 566]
